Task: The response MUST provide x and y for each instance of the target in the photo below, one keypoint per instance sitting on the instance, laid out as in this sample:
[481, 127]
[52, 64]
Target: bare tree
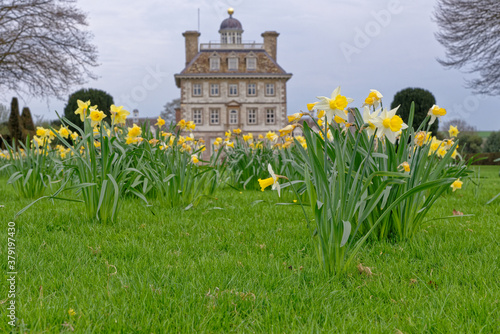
[43, 49]
[168, 112]
[470, 32]
[461, 125]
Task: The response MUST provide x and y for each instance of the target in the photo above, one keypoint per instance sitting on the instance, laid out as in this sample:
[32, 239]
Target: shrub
[470, 142]
[423, 100]
[98, 97]
[492, 143]
[15, 127]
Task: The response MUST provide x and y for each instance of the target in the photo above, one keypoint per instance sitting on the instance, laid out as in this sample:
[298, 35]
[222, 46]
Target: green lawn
[233, 265]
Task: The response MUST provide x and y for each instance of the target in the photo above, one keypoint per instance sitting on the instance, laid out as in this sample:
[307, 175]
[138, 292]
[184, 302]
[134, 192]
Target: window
[252, 89]
[214, 116]
[214, 89]
[196, 89]
[269, 89]
[270, 116]
[232, 64]
[214, 64]
[233, 117]
[252, 116]
[198, 116]
[251, 63]
[233, 90]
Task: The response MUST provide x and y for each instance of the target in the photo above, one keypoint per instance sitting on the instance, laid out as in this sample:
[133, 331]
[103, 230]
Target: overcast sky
[360, 45]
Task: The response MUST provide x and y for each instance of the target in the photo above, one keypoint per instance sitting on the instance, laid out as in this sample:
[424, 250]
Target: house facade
[232, 84]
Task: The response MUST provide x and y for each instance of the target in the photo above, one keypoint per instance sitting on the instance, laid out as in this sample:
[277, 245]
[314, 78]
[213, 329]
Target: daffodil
[335, 105]
[194, 159]
[436, 112]
[271, 136]
[230, 144]
[457, 184]
[373, 99]
[190, 125]
[310, 106]
[389, 124]
[64, 132]
[453, 131]
[338, 119]
[321, 114]
[74, 136]
[160, 122]
[71, 312]
[406, 166]
[96, 116]
[118, 114]
[273, 180]
[237, 131]
[82, 109]
[181, 124]
[248, 137]
[295, 117]
[134, 131]
[228, 134]
[368, 118]
[287, 129]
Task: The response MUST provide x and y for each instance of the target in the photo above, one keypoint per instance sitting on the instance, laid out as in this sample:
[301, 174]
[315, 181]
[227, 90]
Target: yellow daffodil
[194, 159]
[335, 105]
[321, 114]
[71, 312]
[273, 180]
[237, 131]
[295, 117]
[454, 154]
[96, 116]
[457, 184]
[182, 124]
[287, 129]
[261, 137]
[74, 136]
[436, 112]
[338, 120]
[230, 144]
[435, 145]
[42, 132]
[134, 131]
[118, 114]
[405, 166]
[453, 131]
[160, 122]
[310, 106]
[64, 132]
[228, 134]
[442, 152]
[271, 136]
[82, 109]
[248, 137]
[373, 99]
[389, 124]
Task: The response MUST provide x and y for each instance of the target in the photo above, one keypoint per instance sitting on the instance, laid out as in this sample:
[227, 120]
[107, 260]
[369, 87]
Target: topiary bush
[492, 143]
[15, 126]
[97, 97]
[423, 99]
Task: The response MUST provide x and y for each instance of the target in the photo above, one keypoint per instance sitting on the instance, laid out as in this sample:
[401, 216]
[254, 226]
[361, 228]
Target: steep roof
[200, 65]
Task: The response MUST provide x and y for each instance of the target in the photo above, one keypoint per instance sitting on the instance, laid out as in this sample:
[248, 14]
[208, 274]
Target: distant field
[484, 134]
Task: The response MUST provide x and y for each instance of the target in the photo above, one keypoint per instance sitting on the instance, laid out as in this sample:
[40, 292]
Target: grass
[236, 265]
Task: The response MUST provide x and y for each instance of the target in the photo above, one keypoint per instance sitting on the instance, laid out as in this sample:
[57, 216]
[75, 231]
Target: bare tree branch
[470, 32]
[43, 47]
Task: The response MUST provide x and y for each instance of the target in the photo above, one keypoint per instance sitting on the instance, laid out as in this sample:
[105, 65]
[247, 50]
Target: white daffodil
[373, 99]
[435, 112]
[389, 124]
[335, 105]
[370, 118]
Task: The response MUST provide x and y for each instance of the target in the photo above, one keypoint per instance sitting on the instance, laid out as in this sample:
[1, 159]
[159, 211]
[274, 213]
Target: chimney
[191, 44]
[270, 43]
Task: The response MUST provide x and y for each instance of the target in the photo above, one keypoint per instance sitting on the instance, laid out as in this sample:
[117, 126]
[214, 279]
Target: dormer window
[214, 63]
[232, 63]
[251, 63]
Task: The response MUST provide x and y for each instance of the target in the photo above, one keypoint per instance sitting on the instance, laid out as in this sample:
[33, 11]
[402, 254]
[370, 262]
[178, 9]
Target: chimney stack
[191, 44]
[271, 42]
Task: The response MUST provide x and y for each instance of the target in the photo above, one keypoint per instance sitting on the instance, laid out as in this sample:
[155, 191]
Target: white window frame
[251, 63]
[252, 112]
[214, 89]
[270, 116]
[198, 116]
[214, 116]
[232, 64]
[233, 116]
[230, 89]
[197, 89]
[270, 89]
[214, 64]
[252, 89]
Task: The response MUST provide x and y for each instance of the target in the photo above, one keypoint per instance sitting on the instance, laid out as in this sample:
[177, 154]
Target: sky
[359, 45]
